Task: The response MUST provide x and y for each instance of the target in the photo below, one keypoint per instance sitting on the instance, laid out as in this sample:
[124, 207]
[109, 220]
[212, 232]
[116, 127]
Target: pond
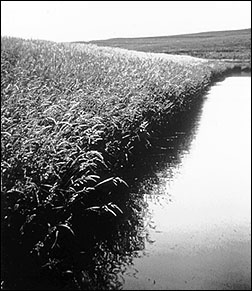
[196, 218]
[186, 222]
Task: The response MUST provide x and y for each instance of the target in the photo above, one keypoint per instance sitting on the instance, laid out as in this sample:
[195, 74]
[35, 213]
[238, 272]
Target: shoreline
[64, 147]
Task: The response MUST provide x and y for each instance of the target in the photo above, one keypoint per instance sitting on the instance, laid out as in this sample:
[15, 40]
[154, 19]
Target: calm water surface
[196, 226]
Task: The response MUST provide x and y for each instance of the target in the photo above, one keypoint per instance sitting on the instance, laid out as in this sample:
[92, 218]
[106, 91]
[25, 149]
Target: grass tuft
[72, 116]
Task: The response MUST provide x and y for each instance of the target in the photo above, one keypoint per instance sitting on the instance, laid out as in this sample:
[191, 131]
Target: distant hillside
[232, 44]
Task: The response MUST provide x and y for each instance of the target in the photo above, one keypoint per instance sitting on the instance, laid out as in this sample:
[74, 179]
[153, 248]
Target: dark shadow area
[107, 244]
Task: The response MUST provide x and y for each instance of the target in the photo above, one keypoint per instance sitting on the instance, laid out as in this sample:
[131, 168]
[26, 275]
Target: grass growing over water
[72, 116]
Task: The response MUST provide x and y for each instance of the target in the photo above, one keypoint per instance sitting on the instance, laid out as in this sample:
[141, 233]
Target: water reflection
[120, 249]
[117, 245]
[113, 245]
[169, 148]
[199, 200]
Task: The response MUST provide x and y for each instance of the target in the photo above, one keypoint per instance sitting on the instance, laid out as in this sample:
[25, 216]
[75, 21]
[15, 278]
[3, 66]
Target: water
[186, 224]
[196, 219]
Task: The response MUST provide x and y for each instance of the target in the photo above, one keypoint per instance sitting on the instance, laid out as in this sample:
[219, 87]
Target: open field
[72, 116]
[233, 45]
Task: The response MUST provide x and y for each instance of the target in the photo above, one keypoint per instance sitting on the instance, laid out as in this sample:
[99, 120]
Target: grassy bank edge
[103, 185]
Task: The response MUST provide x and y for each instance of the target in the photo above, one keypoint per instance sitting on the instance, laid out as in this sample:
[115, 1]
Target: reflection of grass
[72, 116]
[114, 251]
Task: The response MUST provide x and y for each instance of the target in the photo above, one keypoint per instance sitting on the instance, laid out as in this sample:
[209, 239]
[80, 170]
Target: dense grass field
[233, 45]
[73, 116]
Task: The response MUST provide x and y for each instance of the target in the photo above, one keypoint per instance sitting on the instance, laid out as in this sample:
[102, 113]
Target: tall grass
[71, 117]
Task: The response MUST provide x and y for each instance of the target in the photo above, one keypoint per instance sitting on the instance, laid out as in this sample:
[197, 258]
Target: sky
[62, 21]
